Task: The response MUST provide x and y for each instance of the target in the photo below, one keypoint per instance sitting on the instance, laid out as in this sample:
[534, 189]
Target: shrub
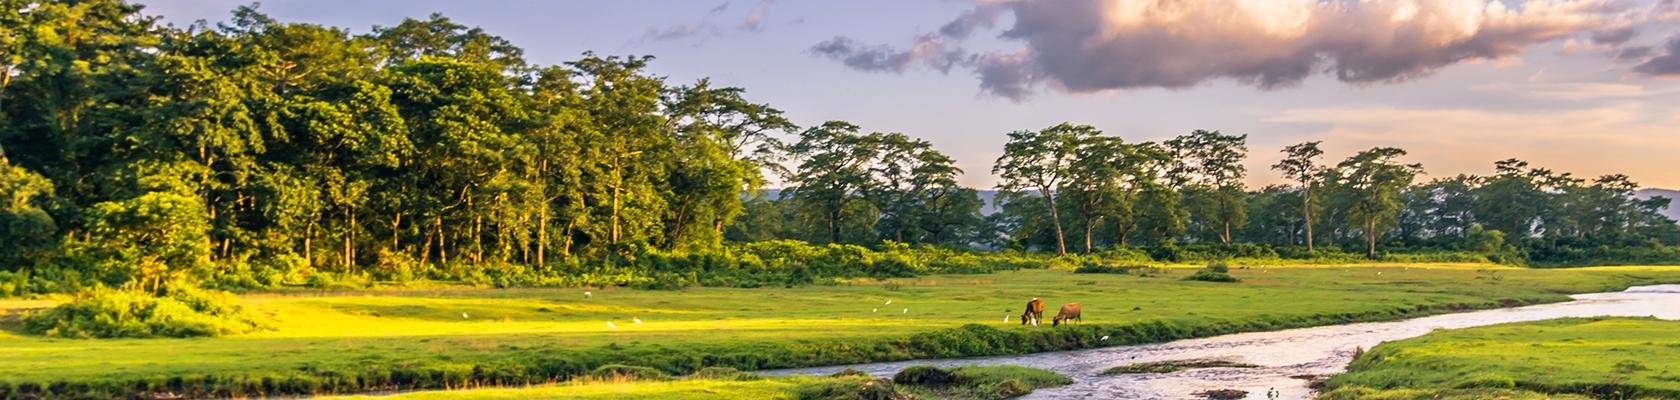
[107, 313]
[924, 375]
[1215, 272]
[849, 389]
[633, 372]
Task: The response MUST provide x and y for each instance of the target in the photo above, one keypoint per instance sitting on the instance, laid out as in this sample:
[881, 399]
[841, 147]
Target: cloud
[1667, 64]
[979, 17]
[753, 22]
[1633, 53]
[677, 32]
[1615, 37]
[755, 18]
[927, 50]
[1085, 46]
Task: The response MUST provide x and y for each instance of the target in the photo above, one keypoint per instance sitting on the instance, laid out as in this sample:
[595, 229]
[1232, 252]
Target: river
[1281, 356]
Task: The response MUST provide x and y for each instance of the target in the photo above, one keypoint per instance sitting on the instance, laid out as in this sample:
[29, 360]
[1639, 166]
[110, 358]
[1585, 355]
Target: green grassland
[398, 339]
[973, 382]
[1612, 358]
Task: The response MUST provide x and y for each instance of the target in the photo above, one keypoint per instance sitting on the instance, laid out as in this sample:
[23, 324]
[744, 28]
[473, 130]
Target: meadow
[328, 342]
[963, 383]
[1607, 358]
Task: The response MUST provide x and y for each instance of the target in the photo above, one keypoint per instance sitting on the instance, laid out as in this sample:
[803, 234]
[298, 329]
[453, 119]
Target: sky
[1587, 87]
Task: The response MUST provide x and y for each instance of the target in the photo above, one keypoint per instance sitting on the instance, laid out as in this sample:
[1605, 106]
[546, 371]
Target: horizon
[1575, 86]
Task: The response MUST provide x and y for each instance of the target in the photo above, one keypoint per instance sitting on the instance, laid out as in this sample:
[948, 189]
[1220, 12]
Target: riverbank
[1618, 358]
[348, 342]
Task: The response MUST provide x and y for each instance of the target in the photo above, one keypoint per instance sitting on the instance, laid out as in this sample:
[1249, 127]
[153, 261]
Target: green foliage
[1585, 357]
[1215, 272]
[106, 313]
[630, 372]
[924, 375]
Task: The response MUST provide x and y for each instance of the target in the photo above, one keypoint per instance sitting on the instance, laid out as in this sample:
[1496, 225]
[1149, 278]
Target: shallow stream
[1281, 356]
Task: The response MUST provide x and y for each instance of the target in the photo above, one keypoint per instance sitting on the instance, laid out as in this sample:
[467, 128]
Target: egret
[1006, 318]
[874, 310]
[588, 295]
[906, 311]
[889, 302]
[636, 320]
[1105, 338]
[463, 315]
[611, 325]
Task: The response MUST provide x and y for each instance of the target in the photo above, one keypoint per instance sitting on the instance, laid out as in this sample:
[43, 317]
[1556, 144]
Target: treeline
[255, 152]
[1070, 188]
[136, 153]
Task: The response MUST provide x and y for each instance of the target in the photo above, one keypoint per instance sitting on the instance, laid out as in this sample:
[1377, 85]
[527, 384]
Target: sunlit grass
[397, 327]
[1603, 357]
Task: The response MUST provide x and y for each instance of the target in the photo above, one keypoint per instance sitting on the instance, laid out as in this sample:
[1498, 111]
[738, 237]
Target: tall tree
[1040, 161]
[1210, 173]
[1375, 178]
[1300, 165]
[832, 170]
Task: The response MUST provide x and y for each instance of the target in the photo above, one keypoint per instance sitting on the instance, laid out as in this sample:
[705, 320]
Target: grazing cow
[1035, 312]
[1069, 313]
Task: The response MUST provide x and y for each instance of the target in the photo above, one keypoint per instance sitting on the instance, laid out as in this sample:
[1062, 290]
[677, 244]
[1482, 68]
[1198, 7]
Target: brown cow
[1070, 313]
[1035, 312]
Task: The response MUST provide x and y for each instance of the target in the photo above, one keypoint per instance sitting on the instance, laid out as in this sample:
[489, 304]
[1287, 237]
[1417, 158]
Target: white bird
[611, 325]
[889, 301]
[1035, 321]
[588, 295]
[1379, 272]
[636, 320]
[1006, 318]
[1105, 338]
[463, 315]
[906, 311]
[874, 310]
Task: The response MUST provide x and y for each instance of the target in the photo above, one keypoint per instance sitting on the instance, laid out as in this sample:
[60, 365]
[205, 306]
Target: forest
[255, 153]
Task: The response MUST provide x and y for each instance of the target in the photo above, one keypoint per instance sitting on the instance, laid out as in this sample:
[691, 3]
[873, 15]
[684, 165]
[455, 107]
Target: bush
[107, 313]
[633, 372]
[849, 389]
[1215, 272]
[924, 375]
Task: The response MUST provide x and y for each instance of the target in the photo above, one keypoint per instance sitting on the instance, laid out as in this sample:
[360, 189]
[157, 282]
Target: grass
[988, 382]
[391, 339]
[1163, 367]
[1615, 358]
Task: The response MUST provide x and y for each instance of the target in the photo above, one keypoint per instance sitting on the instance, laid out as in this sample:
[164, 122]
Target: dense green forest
[258, 153]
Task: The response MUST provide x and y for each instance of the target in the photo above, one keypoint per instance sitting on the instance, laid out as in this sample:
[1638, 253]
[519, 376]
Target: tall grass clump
[111, 313]
[1216, 271]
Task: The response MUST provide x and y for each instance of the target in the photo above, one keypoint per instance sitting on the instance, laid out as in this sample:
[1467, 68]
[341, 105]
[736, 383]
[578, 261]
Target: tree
[904, 178]
[1300, 164]
[150, 240]
[1375, 177]
[833, 169]
[1210, 173]
[28, 234]
[1040, 161]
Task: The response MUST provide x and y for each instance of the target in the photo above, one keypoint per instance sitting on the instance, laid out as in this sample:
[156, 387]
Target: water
[1280, 355]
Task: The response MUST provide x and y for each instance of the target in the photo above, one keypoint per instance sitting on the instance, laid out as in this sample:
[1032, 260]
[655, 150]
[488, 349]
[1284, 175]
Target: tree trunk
[308, 233]
[1056, 217]
[1226, 237]
[1306, 212]
[1371, 238]
[542, 233]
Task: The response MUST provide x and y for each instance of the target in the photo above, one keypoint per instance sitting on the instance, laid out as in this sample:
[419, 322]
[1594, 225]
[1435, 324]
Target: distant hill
[1673, 210]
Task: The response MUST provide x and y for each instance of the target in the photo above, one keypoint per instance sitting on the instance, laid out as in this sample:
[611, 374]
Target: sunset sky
[1590, 87]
